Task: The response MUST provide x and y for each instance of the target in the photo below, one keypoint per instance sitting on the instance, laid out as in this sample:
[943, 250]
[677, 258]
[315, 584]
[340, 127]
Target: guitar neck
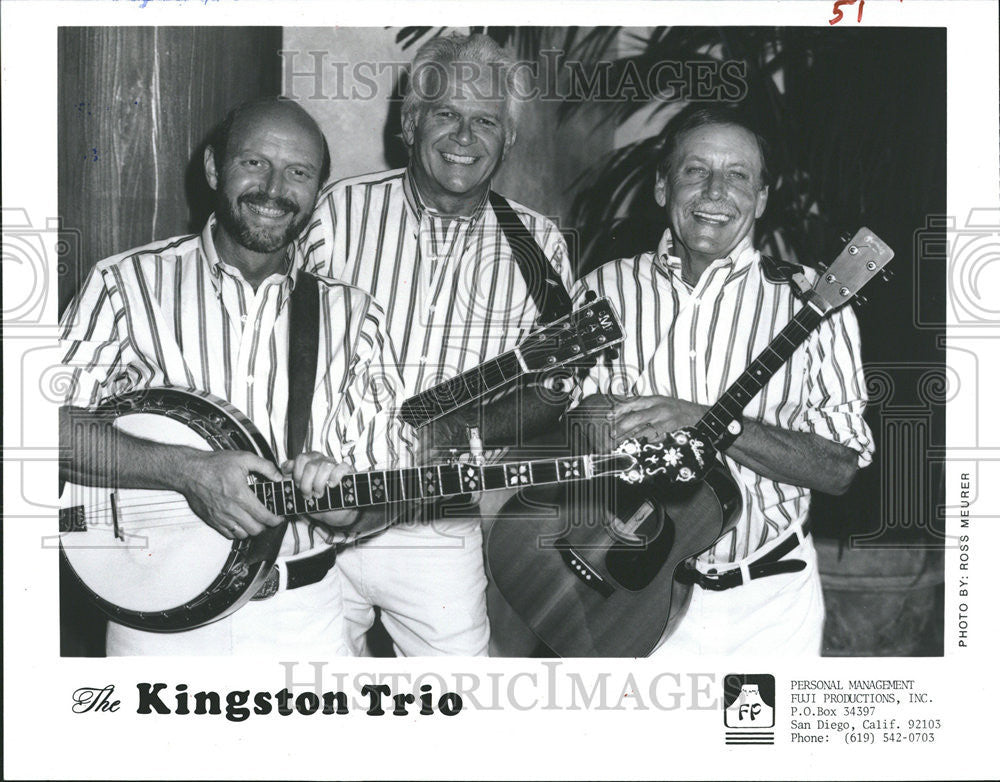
[370, 489]
[461, 389]
[731, 404]
[590, 329]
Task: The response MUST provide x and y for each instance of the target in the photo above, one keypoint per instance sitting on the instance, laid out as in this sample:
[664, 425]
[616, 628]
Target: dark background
[859, 130]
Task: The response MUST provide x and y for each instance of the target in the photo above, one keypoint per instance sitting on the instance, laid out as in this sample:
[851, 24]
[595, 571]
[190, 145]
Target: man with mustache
[697, 311]
[210, 312]
[426, 242]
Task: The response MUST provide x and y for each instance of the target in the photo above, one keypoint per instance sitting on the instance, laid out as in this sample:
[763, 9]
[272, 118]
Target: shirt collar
[216, 265]
[419, 207]
[742, 255]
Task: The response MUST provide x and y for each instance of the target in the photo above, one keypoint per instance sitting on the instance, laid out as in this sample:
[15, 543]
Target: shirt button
[249, 381]
[693, 354]
[243, 318]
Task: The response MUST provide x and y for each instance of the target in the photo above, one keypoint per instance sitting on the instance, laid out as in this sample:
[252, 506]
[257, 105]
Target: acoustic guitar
[591, 568]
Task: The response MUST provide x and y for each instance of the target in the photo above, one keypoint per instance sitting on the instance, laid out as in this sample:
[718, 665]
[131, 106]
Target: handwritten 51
[838, 14]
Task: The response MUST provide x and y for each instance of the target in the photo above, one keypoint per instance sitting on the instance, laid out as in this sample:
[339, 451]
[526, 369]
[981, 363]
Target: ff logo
[748, 708]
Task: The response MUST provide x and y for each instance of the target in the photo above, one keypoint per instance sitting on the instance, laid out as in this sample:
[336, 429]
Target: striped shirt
[453, 293]
[692, 343]
[173, 314]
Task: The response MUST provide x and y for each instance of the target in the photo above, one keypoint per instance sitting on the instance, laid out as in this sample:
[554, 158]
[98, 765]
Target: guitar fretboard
[591, 328]
[761, 370]
[446, 480]
[459, 390]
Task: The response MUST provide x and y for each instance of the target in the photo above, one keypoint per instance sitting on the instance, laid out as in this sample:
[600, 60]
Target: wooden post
[135, 107]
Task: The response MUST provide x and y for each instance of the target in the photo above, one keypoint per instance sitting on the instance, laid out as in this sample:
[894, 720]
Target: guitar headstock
[864, 256]
[683, 456]
[587, 330]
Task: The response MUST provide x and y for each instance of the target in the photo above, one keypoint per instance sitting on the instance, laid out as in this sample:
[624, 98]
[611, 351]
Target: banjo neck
[383, 487]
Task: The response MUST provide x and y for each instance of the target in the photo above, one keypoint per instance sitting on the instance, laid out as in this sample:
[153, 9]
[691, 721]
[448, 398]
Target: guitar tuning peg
[887, 274]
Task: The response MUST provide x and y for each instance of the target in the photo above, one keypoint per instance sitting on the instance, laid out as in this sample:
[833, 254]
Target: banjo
[148, 561]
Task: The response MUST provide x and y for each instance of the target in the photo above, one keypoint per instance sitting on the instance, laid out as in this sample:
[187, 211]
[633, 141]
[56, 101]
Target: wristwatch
[733, 430]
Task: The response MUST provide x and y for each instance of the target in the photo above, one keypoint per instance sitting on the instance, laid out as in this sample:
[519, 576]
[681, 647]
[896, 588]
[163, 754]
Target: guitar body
[143, 556]
[589, 567]
[593, 573]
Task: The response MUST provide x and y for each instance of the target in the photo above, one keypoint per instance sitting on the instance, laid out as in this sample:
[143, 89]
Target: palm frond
[410, 36]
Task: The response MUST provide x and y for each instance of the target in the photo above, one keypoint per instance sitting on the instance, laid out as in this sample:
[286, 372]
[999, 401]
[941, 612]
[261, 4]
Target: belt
[769, 564]
[298, 573]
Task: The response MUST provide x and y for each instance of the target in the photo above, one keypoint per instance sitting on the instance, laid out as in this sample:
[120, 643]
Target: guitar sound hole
[645, 540]
[637, 527]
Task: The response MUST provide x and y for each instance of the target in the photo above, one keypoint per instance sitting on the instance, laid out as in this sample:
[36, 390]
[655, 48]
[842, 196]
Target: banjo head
[143, 556]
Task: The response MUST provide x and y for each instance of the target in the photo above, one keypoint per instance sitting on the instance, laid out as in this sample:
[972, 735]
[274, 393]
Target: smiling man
[211, 312]
[425, 241]
[262, 164]
[697, 311]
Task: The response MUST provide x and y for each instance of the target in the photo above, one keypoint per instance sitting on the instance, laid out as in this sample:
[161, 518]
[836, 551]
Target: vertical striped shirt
[452, 290]
[692, 342]
[173, 314]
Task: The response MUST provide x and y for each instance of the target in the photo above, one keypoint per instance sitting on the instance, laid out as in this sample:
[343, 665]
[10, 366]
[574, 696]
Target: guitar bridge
[72, 519]
[582, 569]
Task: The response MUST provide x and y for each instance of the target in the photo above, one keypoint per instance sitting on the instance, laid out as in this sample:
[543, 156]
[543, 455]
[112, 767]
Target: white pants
[293, 624]
[429, 581]
[776, 615]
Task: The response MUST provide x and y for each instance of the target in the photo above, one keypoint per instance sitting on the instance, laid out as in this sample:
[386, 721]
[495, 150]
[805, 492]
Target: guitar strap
[778, 270]
[547, 290]
[303, 349]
